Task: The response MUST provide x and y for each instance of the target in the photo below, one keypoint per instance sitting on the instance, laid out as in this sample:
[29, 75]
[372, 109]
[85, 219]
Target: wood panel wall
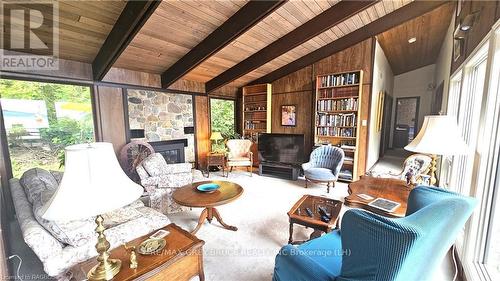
[299, 88]
[489, 13]
[202, 129]
[110, 116]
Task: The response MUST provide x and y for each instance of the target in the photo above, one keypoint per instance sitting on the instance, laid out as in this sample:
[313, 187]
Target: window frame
[234, 111]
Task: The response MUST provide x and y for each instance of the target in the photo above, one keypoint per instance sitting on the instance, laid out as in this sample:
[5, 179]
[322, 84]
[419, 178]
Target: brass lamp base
[105, 272]
[107, 268]
[433, 170]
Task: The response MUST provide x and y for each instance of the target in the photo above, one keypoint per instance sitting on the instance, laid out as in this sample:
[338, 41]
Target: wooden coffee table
[189, 196]
[181, 259]
[387, 188]
[298, 215]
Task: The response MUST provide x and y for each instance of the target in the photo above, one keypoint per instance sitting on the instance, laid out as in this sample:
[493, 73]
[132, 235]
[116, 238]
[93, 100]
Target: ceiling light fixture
[412, 40]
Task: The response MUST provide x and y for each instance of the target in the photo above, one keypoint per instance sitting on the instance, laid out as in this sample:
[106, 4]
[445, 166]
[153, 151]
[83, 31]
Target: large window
[474, 99]
[43, 118]
[222, 117]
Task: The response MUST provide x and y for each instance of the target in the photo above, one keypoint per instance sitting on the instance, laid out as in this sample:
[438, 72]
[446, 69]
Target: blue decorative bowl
[208, 187]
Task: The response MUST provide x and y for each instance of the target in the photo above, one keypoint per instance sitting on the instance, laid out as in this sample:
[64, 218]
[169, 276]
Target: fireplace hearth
[171, 150]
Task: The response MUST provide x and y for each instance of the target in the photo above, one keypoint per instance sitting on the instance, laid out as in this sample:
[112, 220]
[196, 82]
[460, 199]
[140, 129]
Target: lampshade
[93, 184]
[216, 136]
[439, 135]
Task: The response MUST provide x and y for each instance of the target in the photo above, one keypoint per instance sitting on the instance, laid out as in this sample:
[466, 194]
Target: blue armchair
[324, 165]
[372, 247]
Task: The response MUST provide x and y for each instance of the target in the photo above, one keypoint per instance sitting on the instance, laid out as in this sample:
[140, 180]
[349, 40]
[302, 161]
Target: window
[43, 118]
[222, 117]
[474, 98]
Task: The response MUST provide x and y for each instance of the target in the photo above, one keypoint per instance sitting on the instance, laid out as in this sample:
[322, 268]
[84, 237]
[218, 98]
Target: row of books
[339, 80]
[337, 120]
[249, 125]
[345, 174]
[336, 132]
[335, 105]
[338, 92]
[255, 115]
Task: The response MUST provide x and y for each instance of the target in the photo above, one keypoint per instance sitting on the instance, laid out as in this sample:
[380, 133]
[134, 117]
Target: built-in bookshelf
[256, 110]
[338, 100]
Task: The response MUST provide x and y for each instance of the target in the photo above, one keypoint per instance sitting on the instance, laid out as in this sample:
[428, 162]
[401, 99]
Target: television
[281, 148]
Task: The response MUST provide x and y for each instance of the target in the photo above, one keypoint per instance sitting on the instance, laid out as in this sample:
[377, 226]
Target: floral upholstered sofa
[61, 245]
[160, 180]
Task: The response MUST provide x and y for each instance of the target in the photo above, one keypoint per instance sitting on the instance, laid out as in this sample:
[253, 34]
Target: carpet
[260, 215]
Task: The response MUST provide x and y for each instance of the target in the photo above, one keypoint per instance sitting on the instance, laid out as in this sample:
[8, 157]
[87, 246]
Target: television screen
[282, 148]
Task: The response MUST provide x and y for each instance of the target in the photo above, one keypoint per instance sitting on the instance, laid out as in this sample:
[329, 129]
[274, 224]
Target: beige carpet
[260, 215]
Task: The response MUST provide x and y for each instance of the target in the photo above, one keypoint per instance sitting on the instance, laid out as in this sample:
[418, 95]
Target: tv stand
[279, 170]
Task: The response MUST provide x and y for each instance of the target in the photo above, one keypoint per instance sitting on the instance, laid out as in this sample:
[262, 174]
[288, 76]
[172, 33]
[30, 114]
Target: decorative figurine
[133, 256]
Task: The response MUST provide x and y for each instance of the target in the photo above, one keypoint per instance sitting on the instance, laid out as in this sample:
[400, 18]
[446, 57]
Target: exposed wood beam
[244, 19]
[130, 21]
[399, 16]
[301, 34]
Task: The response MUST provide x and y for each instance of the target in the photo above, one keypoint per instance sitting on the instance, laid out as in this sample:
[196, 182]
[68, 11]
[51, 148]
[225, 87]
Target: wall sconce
[468, 21]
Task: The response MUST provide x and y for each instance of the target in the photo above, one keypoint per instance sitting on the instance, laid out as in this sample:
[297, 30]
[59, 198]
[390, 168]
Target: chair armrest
[294, 264]
[306, 166]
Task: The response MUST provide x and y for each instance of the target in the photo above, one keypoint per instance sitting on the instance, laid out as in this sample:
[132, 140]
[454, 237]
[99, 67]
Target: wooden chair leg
[306, 183]
[328, 187]
[251, 170]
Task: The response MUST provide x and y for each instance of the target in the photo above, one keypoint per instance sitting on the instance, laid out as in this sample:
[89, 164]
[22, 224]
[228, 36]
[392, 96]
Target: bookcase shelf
[256, 110]
[337, 111]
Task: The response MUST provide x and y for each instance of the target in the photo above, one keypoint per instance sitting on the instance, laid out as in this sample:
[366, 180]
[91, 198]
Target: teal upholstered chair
[324, 165]
[376, 248]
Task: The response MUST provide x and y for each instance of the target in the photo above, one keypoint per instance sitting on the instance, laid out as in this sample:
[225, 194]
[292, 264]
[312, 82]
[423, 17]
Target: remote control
[323, 212]
[309, 212]
[325, 219]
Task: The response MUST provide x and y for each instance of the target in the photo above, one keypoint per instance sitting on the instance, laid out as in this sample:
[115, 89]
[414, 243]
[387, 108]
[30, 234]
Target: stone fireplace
[172, 151]
[165, 119]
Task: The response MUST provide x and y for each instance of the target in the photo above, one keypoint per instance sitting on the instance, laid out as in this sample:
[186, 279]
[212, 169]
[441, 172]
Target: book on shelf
[340, 120]
[338, 105]
[348, 147]
[336, 132]
[339, 80]
[345, 174]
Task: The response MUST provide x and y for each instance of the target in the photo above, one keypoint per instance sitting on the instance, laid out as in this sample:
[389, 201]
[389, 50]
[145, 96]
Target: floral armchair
[160, 180]
[415, 166]
[239, 154]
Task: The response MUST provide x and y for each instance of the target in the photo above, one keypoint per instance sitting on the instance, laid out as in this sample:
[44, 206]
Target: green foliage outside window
[223, 121]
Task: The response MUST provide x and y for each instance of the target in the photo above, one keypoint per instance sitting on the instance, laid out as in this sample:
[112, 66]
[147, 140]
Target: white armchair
[239, 154]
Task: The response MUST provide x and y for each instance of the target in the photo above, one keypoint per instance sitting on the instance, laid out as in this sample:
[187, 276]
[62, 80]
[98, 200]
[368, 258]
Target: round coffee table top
[189, 196]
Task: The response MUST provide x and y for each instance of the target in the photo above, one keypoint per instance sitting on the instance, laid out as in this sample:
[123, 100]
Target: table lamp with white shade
[93, 184]
[439, 135]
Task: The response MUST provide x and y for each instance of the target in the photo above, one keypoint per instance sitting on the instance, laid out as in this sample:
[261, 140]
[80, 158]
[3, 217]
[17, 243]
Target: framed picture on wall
[288, 115]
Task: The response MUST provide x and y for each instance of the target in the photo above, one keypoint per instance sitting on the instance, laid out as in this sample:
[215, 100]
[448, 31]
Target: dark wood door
[405, 121]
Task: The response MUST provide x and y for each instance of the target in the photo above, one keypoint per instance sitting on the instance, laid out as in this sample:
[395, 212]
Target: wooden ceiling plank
[303, 33]
[130, 21]
[244, 19]
[407, 12]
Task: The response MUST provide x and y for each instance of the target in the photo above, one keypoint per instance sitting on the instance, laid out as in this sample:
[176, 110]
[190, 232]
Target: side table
[218, 160]
[298, 215]
[181, 259]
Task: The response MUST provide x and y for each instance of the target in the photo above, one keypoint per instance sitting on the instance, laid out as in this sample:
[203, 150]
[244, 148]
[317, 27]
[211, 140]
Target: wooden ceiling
[165, 37]
[83, 27]
[429, 30]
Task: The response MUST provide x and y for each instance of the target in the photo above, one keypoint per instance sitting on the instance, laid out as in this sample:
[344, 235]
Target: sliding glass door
[41, 119]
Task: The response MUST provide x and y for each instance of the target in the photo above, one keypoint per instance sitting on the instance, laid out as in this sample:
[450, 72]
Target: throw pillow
[35, 180]
[155, 164]
[75, 233]
[120, 216]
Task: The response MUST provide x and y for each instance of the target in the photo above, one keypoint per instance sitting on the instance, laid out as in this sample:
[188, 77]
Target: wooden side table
[387, 188]
[181, 259]
[298, 215]
[218, 160]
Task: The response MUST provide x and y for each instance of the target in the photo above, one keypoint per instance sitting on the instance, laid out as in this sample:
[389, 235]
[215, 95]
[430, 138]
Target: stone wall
[163, 116]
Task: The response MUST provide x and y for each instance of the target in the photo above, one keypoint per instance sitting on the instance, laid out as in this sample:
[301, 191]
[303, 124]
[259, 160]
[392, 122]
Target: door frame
[417, 111]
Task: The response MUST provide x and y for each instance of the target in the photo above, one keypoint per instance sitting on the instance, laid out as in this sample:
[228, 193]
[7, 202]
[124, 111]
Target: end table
[298, 215]
[180, 260]
[218, 160]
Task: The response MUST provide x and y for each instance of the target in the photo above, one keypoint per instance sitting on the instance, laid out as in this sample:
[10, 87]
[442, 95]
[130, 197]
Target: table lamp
[93, 184]
[216, 136]
[439, 135]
